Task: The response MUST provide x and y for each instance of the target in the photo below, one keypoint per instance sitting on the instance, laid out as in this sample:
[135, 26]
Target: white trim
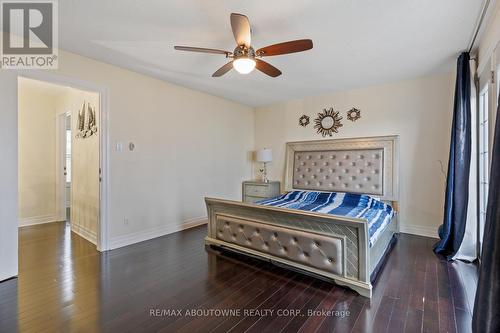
[43, 75]
[490, 16]
[479, 24]
[60, 163]
[487, 22]
[104, 153]
[144, 235]
[34, 220]
[83, 232]
[419, 230]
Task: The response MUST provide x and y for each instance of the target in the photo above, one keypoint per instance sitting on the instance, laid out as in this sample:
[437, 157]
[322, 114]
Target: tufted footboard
[330, 246]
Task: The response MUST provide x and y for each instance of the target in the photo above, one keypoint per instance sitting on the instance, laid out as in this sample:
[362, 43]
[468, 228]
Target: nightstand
[256, 190]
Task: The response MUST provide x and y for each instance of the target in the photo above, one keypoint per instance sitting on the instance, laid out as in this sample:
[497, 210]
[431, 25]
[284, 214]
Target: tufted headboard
[357, 165]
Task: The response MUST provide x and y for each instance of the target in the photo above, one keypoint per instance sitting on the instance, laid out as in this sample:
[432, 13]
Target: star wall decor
[353, 114]
[304, 121]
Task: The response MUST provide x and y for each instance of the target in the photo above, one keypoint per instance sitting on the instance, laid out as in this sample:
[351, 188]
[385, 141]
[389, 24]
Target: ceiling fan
[244, 57]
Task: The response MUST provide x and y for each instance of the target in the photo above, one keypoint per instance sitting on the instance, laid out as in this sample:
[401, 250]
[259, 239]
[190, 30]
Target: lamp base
[264, 174]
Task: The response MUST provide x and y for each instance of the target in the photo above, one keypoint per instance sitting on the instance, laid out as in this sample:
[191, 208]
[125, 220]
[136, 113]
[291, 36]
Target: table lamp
[264, 156]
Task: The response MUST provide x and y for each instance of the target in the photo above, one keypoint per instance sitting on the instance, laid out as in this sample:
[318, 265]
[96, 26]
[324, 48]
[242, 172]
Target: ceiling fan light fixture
[244, 65]
[244, 59]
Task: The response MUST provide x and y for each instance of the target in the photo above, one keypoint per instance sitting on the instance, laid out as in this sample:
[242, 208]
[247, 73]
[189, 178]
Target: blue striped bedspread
[377, 213]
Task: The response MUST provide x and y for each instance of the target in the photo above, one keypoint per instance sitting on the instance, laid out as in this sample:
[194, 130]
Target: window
[483, 159]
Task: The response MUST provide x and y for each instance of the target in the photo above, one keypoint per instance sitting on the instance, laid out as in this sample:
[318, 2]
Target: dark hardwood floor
[65, 285]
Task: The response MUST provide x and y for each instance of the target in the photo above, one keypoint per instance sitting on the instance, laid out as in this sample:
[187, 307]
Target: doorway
[64, 138]
[67, 165]
[60, 140]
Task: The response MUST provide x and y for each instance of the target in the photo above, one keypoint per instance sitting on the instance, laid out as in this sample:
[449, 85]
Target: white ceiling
[356, 42]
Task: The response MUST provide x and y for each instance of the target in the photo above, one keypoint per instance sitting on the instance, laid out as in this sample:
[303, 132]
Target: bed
[336, 220]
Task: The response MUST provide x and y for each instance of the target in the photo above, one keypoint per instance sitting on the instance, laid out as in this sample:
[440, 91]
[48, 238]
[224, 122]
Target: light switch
[119, 146]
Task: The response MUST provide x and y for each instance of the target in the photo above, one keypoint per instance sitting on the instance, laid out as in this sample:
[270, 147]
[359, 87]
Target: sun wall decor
[328, 122]
[353, 114]
[304, 121]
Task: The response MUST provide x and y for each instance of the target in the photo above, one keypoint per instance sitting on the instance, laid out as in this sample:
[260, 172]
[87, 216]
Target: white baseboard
[27, 221]
[144, 235]
[419, 230]
[83, 232]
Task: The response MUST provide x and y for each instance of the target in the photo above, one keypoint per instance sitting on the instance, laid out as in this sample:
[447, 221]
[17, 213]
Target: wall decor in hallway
[87, 122]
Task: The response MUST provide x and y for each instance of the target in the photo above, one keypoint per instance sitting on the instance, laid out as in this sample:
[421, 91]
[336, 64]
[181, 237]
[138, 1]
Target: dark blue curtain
[487, 305]
[451, 232]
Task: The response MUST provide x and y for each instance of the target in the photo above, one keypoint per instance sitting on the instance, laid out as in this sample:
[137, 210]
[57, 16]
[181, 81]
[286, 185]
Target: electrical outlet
[125, 221]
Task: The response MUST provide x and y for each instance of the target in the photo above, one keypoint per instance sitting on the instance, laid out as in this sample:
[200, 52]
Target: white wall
[419, 111]
[37, 154]
[188, 144]
[8, 175]
[84, 165]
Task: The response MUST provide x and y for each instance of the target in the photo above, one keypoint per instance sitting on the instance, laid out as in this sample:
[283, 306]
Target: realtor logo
[29, 38]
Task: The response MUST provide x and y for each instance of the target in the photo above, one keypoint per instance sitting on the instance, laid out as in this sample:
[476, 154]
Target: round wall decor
[353, 114]
[304, 121]
[328, 122]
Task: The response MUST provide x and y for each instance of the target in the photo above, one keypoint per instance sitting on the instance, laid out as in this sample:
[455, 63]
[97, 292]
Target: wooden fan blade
[223, 70]
[201, 49]
[241, 29]
[285, 48]
[267, 68]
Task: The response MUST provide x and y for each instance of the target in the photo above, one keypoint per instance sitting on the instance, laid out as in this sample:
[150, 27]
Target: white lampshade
[264, 155]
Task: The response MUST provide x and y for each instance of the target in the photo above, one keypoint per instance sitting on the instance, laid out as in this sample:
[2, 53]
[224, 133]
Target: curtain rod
[479, 23]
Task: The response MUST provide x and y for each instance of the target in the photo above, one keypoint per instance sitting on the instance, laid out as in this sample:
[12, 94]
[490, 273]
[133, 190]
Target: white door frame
[60, 163]
[103, 236]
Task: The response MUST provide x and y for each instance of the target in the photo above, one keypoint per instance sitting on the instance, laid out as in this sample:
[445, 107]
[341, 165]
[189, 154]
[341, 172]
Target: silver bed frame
[330, 246]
